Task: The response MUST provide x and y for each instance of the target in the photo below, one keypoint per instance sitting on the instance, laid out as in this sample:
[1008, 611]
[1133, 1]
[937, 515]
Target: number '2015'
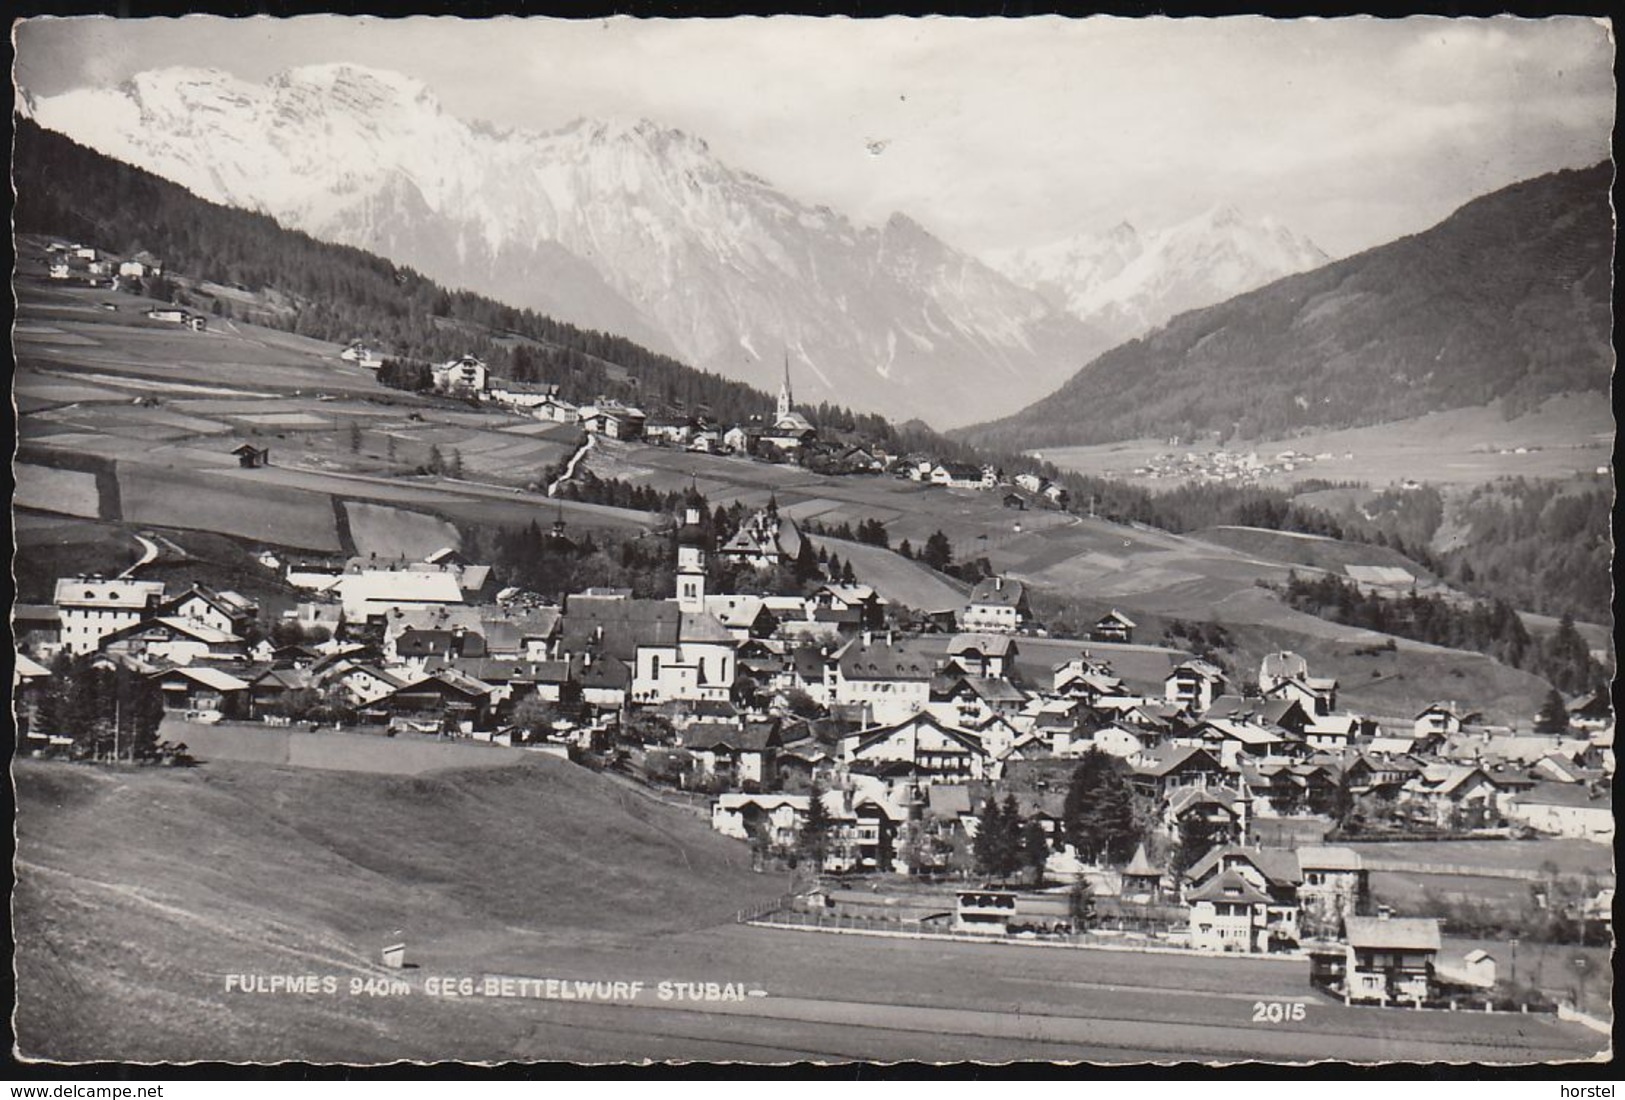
[1277, 1012]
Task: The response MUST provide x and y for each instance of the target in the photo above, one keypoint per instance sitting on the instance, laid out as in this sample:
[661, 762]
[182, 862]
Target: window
[654, 665]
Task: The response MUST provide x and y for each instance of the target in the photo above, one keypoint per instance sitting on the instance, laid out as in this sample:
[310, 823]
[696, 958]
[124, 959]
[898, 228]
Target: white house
[776, 818]
[997, 604]
[1565, 809]
[465, 373]
[92, 608]
[1194, 685]
[917, 752]
[892, 679]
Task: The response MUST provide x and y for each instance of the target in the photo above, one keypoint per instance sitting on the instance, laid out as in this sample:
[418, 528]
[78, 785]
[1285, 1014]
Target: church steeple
[785, 399]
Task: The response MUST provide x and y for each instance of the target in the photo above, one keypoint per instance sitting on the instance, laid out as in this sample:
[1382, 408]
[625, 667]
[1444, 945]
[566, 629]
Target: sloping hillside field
[245, 922]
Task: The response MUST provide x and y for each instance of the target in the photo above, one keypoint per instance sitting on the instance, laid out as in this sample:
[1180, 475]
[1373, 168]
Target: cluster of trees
[591, 488]
[529, 558]
[1006, 845]
[1208, 641]
[110, 712]
[1491, 627]
[1102, 814]
[870, 532]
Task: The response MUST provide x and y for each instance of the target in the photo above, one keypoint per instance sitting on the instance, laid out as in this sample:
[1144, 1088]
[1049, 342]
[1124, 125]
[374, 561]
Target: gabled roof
[903, 659]
[998, 591]
[1116, 617]
[1329, 858]
[1164, 759]
[702, 627]
[740, 612]
[988, 645]
[1277, 865]
[1570, 795]
[875, 734]
[1403, 933]
[208, 677]
[29, 669]
[1229, 886]
[619, 626]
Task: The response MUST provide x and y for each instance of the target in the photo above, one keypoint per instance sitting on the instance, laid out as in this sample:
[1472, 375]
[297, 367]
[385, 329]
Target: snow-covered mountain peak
[622, 225]
[1128, 281]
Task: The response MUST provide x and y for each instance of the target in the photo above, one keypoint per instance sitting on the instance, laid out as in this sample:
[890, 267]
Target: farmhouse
[1441, 720]
[174, 639]
[92, 608]
[225, 610]
[556, 409]
[867, 604]
[525, 396]
[612, 419]
[1114, 626]
[201, 688]
[363, 354]
[963, 475]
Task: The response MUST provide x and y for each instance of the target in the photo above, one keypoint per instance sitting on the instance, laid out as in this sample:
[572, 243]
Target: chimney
[1384, 912]
[888, 638]
[868, 637]
[998, 584]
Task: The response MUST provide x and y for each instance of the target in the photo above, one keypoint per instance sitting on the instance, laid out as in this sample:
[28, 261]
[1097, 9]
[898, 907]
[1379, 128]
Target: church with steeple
[790, 429]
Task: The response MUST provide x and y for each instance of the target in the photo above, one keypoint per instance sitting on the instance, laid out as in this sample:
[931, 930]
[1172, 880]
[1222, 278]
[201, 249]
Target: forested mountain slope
[1509, 297]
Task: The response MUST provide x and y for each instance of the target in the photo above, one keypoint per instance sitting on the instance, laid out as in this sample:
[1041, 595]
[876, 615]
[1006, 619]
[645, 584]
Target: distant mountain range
[1126, 282]
[629, 228]
[1508, 298]
[638, 230]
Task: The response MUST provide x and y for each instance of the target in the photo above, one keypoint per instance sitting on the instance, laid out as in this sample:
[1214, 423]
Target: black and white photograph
[795, 540]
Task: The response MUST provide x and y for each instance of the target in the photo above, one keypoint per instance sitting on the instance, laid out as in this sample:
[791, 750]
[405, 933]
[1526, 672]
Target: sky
[994, 133]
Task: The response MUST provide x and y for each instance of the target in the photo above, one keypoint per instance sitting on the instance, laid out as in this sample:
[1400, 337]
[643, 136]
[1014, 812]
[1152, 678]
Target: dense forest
[1538, 544]
[1509, 298]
